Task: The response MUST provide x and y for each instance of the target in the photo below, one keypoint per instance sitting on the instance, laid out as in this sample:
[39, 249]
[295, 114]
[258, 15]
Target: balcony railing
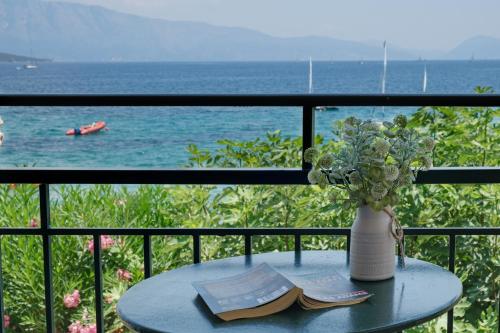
[47, 176]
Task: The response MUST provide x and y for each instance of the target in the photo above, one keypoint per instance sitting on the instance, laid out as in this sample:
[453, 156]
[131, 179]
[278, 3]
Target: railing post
[307, 132]
[98, 284]
[148, 267]
[196, 249]
[47, 256]
[298, 246]
[248, 245]
[451, 268]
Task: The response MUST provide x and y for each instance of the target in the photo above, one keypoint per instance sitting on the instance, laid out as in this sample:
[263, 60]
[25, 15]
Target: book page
[329, 287]
[257, 286]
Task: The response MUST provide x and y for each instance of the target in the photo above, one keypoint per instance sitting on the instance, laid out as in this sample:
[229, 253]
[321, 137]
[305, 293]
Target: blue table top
[168, 303]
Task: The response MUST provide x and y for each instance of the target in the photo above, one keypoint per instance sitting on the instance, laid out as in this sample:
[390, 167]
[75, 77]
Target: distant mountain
[7, 57]
[480, 47]
[74, 32]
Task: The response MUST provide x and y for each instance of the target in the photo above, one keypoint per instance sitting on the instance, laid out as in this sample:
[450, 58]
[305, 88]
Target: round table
[168, 303]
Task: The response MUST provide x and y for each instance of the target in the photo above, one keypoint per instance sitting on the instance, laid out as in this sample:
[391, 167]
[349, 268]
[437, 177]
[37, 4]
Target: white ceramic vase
[372, 253]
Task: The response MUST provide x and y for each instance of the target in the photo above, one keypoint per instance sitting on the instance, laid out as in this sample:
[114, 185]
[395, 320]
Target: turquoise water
[157, 137]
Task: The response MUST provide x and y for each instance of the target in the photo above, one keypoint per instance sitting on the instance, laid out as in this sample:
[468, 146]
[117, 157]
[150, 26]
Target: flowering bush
[374, 162]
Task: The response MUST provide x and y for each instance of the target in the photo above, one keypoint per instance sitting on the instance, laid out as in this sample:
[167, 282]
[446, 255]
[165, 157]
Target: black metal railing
[298, 176]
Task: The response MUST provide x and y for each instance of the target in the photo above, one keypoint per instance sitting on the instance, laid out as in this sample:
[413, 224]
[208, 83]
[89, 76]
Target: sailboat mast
[424, 88]
[310, 75]
[30, 64]
[30, 40]
[385, 68]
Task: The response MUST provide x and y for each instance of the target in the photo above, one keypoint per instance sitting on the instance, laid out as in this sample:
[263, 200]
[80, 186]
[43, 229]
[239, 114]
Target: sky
[422, 24]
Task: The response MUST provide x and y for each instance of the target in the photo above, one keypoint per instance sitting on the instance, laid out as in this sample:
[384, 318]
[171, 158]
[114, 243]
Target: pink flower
[106, 243]
[6, 321]
[90, 246]
[89, 329]
[124, 275]
[71, 301]
[34, 223]
[75, 327]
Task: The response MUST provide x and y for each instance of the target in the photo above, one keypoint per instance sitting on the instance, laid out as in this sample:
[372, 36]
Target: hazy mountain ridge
[480, 47]
[75, 32]
[8, 57]
[66, 31]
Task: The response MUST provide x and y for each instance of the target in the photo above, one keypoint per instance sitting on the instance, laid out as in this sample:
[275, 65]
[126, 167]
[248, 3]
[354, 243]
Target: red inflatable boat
[87, 129]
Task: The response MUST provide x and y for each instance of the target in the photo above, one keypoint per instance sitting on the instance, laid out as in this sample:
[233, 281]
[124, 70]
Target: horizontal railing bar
[230, 176]
[154, 176]
[52, 100]
[487, 231]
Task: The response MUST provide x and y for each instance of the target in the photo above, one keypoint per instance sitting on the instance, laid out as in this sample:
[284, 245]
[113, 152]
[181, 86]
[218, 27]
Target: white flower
[352, 121]
[381, 147]
[314, 176]
[370, 126]
[378, 191]
[404, 180]
[376, 173]
[391, 172]
[427, 163]
[326, 161]
[333, 197]
[428, 144]
[355, 178]
[401, 121]
[310, 154]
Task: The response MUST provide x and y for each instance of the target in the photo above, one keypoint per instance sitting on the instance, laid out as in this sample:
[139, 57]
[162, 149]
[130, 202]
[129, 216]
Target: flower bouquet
[374, 162]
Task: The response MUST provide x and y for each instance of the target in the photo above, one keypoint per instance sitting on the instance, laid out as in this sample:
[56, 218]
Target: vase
[372, 251]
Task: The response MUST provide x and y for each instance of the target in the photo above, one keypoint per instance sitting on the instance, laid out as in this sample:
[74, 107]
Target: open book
[262, 291]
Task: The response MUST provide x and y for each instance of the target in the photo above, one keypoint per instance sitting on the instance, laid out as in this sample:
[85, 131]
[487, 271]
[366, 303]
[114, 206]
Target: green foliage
[466, 136]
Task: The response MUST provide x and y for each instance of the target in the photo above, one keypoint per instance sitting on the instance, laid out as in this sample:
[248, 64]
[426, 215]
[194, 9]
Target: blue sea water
[158, 137]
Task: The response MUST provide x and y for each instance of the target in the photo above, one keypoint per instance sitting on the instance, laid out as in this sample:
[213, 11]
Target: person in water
[78, 130]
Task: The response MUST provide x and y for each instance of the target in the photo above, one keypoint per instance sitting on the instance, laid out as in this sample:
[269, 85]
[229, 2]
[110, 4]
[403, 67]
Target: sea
[157, 137]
